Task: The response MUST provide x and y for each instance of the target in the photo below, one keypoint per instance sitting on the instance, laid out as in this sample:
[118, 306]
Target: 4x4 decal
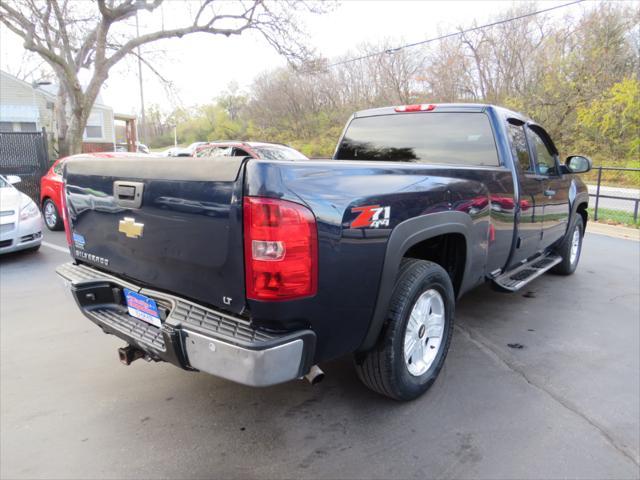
[371, 216]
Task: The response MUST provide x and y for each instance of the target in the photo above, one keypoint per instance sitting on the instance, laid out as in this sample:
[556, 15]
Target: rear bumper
[192, 336]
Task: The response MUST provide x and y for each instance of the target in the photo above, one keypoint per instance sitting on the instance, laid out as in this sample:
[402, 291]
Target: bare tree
[71, 36]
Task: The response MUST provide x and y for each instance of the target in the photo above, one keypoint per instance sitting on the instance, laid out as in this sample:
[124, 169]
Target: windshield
[279, 153]
[441, 138]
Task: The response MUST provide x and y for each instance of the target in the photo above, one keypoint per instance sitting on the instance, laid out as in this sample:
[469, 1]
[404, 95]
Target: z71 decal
[371, 216]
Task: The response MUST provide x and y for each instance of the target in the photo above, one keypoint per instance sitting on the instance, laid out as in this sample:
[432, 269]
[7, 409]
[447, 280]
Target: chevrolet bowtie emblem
[130, 228]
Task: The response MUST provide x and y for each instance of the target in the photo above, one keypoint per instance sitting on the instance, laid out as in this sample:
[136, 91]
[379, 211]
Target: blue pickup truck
[258, 270]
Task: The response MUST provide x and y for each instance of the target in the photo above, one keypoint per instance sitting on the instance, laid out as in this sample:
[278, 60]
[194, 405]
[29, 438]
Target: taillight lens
[420, 107]
[280, 249]
[65, 216]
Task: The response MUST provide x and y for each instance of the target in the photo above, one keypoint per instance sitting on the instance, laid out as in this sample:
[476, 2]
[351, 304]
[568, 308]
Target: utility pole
[143, 122]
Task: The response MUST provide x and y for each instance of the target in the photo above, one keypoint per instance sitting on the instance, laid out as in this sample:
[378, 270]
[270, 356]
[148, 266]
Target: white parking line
[55, 247]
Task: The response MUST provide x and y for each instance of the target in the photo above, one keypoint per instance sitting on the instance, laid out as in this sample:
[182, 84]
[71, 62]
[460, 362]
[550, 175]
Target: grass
[615, 217]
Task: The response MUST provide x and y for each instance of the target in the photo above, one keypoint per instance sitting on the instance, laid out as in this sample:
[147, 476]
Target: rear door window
[439, 138]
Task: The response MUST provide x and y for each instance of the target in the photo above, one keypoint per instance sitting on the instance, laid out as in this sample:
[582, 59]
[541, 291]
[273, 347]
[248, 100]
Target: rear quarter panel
[351, 259]
[51, 187]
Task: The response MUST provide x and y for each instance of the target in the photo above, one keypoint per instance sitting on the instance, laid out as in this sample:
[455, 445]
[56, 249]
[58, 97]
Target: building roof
[50, 90]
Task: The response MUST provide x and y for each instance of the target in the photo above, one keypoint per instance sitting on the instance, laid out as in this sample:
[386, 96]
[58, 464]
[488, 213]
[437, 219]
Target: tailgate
[170, 224]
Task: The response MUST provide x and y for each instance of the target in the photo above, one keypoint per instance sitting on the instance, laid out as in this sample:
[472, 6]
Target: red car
[51, 183]
[51, 196]
[268, 151]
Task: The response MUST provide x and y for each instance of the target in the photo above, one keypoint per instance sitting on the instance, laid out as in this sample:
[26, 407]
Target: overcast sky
[202, 66]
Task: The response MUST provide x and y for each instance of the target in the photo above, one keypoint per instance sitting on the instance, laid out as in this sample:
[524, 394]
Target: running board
[520, 276]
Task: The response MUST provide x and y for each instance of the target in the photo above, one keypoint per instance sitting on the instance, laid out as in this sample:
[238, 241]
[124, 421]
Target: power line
[454, 34]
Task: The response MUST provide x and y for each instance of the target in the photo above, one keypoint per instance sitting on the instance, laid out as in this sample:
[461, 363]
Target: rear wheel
[52, 218]
[415, 339]
[570, 248]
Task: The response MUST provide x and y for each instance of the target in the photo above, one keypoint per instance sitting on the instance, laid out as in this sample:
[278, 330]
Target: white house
[30, 108]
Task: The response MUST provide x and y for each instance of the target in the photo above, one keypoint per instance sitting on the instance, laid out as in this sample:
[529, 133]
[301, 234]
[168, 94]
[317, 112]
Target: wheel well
[448, 250]
[582, 210]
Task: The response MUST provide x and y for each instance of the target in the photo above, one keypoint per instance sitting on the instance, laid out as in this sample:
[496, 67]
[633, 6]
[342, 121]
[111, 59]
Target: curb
[614, 231]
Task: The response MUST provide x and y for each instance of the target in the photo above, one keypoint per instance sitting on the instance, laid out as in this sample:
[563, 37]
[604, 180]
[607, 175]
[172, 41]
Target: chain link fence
[612, 202]
[25, 154]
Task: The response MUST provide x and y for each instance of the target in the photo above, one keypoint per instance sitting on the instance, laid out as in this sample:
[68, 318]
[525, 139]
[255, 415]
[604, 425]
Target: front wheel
[415, 338]
[570, 248]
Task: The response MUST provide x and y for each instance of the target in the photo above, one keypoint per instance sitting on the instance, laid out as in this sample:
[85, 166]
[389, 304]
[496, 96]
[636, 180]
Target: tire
[570, 262]
[386, 369]
[52, 218]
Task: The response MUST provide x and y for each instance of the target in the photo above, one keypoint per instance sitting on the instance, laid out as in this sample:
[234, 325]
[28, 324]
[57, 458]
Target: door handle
[549, 193]
[128, 194]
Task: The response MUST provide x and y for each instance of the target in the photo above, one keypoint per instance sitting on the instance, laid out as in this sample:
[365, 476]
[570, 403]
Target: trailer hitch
[130, 354]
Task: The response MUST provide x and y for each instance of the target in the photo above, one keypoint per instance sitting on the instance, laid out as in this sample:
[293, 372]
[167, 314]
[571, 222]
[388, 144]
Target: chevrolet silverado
[258, 270]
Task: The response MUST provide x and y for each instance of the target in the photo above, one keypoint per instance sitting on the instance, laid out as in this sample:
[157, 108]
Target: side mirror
[578, 164]
[13, 179]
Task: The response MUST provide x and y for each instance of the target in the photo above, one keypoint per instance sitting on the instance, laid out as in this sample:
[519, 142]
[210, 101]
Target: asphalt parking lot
[566, 404]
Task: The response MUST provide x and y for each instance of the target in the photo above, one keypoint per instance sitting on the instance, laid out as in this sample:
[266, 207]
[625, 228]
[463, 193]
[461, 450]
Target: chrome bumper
[192, 336]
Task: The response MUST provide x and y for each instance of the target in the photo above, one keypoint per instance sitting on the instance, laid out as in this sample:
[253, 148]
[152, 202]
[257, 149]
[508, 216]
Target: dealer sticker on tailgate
[142, 307]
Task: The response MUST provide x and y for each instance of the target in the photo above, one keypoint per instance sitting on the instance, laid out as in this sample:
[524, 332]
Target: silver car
[20, 218]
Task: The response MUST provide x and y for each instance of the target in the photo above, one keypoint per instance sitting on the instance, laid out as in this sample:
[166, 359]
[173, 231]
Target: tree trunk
[63, 147]
[71, 143]
[61, 126]
[74, 136]
[72, 118]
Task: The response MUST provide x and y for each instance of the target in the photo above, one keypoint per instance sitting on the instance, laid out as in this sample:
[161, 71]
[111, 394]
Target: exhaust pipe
[315, 375]
[130, 354]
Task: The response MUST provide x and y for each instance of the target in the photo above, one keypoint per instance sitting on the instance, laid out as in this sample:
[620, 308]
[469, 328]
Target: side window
[57, 169]
[203, 152]
[238, 152]
[218, 152]
[519, 147]
[545, 160]
[94, 125]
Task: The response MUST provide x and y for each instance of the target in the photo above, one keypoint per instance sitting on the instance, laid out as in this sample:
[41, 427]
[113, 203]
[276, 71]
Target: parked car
[167, 152]
[140, 147]
[261, 150]
[51, 196]
[303, 262]
[186, 151]
[20, 219]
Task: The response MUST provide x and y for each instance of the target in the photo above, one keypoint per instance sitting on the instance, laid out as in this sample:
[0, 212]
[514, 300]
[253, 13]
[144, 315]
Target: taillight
[65, 217]
[280, 249]
[420, 107]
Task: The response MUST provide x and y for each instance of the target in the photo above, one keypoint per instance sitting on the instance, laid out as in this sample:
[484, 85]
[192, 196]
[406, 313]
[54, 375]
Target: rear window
[57, 168]
[442, 138]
